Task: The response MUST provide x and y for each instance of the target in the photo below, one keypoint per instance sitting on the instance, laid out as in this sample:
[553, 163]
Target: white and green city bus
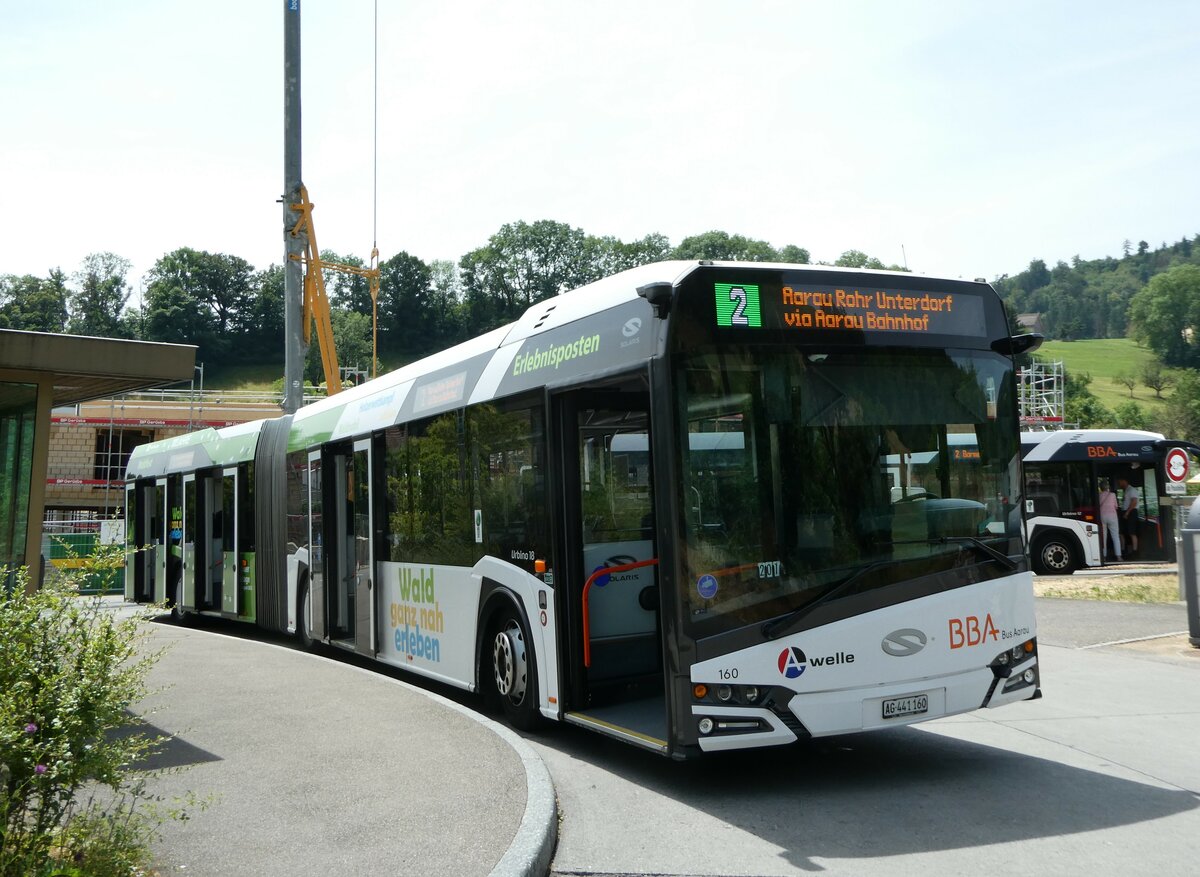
[671, 506]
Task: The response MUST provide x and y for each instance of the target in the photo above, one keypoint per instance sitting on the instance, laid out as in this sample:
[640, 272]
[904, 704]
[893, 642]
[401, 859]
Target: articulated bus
[672, 506]
[1065, 471]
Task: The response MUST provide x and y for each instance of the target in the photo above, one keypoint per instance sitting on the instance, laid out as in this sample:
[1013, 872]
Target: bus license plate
[913, 705]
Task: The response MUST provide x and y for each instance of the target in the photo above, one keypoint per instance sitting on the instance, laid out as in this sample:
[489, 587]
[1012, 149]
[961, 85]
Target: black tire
[1053, 555]
[179, 615]
[509, 659]
[303, 619]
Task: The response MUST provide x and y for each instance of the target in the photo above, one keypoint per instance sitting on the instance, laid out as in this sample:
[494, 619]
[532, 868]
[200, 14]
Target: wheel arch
[494, 598]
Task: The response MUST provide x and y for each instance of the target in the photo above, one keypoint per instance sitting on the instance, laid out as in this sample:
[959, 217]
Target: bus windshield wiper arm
[778, 626]
[974, 541]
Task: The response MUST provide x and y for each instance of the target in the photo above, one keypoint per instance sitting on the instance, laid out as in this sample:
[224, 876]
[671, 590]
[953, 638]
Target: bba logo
[970, 631]
[791, 662]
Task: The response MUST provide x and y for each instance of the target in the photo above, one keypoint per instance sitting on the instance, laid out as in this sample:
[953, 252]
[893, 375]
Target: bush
[71, 800]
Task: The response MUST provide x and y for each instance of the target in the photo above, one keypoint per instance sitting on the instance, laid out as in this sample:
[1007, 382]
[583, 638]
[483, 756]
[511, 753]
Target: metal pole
[293, 278]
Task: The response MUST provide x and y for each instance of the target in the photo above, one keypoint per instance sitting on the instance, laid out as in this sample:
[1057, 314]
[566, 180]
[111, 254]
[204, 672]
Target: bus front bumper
[851, 710]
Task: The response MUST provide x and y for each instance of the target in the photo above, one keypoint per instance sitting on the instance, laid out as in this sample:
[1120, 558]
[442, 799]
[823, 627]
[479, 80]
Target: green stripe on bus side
[246, 586]
[315, 430]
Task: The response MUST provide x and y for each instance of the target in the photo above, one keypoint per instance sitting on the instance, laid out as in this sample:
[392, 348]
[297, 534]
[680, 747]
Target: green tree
[264, 337]
[857, 259]
[351, 338]
[407, 325]
[722, 246]
[445, 303]
[1131, 415]
[201, 298]
[1156, 377]
[794, 254]
[1127, 380]
[99, 298]
[1166, 315]
[1181, 417]
[521, 264]
[351, 292]
[608, 255]
[34, 304]
[1081, 404]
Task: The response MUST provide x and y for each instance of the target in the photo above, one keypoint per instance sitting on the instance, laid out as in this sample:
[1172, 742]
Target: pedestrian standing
[1130, 498]
[1110, 526]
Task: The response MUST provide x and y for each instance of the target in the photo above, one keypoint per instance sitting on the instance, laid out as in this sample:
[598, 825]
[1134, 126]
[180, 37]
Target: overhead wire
[375, 144]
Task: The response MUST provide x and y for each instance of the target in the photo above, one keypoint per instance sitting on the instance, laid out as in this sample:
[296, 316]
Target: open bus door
[315, 603]
[350, 574]
[187, 591]
[609, 596]
[229, 542]
[142, 544]
[160, 541]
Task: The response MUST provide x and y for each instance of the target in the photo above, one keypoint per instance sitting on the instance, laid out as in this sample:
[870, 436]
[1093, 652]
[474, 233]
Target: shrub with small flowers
[70, 670]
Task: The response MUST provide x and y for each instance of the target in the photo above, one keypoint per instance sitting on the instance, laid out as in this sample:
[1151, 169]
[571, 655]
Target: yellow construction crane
[316, 302]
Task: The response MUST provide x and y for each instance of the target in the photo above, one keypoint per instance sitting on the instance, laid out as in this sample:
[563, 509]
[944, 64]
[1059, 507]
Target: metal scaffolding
[1041, 396]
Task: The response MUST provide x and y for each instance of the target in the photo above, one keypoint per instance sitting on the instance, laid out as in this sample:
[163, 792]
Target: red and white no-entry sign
[1176, 464]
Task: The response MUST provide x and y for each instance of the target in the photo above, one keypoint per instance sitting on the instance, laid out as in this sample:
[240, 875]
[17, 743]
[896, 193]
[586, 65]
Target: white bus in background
[1066, 470]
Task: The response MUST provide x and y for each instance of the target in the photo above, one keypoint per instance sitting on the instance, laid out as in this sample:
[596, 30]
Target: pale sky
[976, 136]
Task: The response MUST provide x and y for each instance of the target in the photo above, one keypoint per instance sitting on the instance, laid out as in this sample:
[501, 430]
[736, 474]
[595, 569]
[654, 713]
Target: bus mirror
[660, 296]
[1015, 345]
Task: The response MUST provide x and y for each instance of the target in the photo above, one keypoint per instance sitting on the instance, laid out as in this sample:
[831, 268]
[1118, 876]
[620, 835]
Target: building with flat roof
[39, 372]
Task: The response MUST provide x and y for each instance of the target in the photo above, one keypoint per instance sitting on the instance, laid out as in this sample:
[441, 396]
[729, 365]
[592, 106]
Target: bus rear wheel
[513, 670]
[304, 619]
[179, 615]
[1052, 556]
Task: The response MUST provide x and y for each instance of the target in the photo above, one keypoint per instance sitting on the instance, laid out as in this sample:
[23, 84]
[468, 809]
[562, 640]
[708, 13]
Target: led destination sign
[849, 309]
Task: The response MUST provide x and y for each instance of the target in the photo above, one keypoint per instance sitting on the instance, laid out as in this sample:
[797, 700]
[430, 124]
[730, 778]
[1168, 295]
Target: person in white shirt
[1130, 498]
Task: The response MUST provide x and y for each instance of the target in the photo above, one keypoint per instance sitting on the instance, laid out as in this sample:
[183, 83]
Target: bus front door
[611, 593]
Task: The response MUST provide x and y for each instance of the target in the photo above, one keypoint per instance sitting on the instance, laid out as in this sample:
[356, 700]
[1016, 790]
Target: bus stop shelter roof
[83, 367]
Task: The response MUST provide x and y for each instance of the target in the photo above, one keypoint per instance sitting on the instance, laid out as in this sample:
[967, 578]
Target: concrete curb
[532, 848]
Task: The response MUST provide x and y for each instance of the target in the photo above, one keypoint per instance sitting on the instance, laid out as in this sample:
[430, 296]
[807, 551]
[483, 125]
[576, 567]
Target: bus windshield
[806, 471]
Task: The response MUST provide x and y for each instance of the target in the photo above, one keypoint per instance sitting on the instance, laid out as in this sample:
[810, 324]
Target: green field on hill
[1104, 359]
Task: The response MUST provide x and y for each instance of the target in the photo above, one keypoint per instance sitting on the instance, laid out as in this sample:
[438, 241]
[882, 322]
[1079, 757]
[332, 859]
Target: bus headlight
[724, 693]
[706, 725]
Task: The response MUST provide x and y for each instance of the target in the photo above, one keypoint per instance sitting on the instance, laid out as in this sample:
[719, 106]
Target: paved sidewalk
[319, 767]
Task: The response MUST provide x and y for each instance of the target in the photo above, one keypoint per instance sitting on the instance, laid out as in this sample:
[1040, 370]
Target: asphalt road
[1100, 776]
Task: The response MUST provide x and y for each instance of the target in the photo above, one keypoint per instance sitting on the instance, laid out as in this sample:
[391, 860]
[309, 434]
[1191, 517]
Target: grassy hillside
[1104, 359]
[243, 377]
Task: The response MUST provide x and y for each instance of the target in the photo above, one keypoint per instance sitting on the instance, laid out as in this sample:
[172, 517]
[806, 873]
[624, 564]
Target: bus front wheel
[1052, 556]
[513, 674]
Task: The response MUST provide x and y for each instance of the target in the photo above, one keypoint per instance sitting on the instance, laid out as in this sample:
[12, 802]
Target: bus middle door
[611, 593]
[350, 571]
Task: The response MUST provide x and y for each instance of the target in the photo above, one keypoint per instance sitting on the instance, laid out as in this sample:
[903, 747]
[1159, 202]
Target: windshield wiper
[778, 626]
[974, 541]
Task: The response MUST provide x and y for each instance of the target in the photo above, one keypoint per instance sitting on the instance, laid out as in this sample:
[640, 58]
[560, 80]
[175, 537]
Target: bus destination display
[847, 309]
